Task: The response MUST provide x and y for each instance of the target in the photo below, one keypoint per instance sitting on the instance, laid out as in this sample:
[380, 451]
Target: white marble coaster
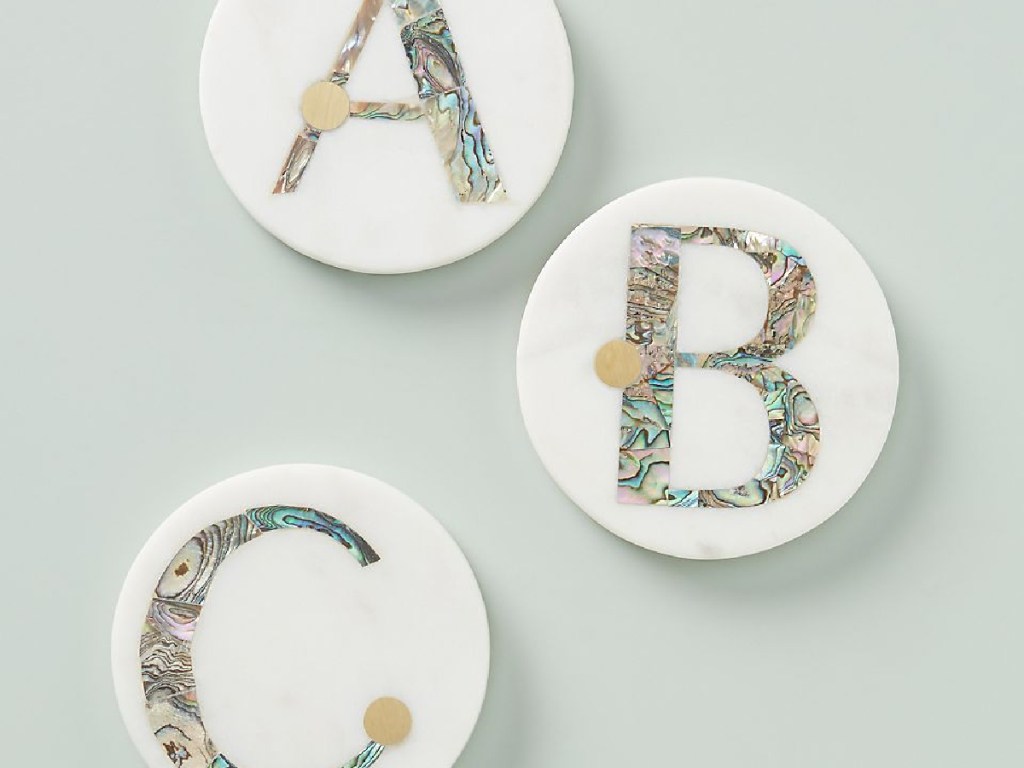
[376, 196]
[848, 362]
[299, 634]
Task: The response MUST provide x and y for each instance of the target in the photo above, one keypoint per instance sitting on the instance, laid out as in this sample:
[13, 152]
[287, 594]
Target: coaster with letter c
[300, 615]
[707, 368]
[386, 136]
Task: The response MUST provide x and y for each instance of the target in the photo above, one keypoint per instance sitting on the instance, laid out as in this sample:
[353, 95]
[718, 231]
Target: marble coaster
[704, 262]
[266, 615]
[459, 110]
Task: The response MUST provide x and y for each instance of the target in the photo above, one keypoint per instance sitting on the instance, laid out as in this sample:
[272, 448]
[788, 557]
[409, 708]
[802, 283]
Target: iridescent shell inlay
[445, 101]
[165, 648]
[646, 423]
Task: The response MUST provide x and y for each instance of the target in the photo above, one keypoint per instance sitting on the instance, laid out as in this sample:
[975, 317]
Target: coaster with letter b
[386, 135]
[726, 372]
[295, 616]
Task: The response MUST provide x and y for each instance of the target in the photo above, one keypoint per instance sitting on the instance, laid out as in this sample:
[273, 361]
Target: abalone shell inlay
[165, 649]
[646, 423]
[445, 101]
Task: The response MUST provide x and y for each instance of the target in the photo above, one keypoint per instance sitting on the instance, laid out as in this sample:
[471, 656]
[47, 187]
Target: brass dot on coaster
[387, 721]
[618, 364]
[325, 106]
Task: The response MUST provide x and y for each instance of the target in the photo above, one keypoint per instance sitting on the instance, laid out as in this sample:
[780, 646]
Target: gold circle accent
[387, 721]
[618, 364]
[325, 106]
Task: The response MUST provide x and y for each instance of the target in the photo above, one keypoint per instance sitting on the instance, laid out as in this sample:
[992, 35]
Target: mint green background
[156, 340]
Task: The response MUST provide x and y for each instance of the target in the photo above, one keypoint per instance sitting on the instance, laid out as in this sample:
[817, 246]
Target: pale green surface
[156, 340]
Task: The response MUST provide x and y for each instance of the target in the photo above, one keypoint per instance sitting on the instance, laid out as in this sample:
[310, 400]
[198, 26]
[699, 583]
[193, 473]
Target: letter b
[646, 425]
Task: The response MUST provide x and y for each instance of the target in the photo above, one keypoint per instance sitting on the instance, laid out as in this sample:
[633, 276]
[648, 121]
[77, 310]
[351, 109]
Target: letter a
[444, 100]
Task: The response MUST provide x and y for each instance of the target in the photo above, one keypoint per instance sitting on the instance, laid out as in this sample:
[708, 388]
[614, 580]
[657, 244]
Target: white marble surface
[376, 196]
[848, 362]
[295, 640]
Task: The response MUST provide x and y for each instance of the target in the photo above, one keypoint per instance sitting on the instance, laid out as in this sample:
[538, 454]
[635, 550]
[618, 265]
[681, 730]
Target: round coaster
[457, 114]
[747, 315]
[296, 616]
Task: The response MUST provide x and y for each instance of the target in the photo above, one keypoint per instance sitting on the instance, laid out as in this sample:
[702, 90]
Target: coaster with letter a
[295, 616]
[707, 368]
[386, 136]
